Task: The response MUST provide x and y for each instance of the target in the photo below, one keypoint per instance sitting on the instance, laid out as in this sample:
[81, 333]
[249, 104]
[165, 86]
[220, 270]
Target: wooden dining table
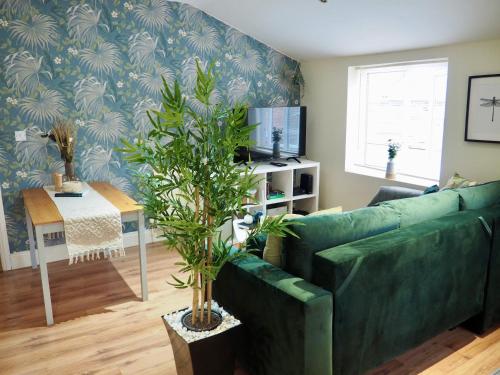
[43, 216]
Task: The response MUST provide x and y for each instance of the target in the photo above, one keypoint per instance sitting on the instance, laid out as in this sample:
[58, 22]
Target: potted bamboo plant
[192, 189]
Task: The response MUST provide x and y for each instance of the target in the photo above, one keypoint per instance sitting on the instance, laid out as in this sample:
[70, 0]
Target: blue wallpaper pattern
[99, 64]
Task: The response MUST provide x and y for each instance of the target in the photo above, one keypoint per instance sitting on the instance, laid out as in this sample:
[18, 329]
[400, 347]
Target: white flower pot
[390, 172]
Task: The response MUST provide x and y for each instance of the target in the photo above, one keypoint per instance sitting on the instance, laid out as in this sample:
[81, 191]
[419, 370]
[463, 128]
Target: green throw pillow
[425, 207]
[479, 196]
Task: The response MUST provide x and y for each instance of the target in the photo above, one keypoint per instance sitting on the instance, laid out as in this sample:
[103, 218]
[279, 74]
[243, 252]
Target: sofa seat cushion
[426, 207]
[479, 196]
[321, 232]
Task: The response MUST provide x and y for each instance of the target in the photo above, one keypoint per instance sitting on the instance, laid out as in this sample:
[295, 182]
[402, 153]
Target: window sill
[411, 180]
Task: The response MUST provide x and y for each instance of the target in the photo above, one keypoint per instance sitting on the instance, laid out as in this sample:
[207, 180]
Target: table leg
[31, 239]
[142, 255]
[44, 276]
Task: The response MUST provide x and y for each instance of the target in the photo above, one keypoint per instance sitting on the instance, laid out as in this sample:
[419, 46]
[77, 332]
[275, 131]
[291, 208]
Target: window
[404, 103]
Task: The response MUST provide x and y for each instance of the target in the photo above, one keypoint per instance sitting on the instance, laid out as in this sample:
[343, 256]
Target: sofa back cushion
[426, 207]
[479, 196]
[318, 233]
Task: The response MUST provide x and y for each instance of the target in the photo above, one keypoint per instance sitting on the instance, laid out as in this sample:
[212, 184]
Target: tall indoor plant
[193, 186]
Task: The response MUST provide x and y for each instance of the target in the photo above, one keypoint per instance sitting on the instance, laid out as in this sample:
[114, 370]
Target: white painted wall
[326, 99]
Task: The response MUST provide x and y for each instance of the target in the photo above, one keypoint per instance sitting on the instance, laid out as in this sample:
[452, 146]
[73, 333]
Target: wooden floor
[103, 328]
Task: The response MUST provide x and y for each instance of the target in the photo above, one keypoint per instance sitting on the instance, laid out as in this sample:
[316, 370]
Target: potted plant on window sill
[191, 188]
[392, 150]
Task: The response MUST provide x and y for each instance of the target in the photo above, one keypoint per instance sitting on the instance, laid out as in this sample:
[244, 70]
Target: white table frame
[40, 230]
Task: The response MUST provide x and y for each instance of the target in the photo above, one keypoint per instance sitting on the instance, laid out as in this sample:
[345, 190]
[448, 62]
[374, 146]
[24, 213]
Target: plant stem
[195, 277]
[203, 284]
[203, 291]
[209, 282]
[195, 298]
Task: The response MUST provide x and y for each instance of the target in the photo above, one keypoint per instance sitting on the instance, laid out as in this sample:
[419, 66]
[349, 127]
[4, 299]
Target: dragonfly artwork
[493, 102]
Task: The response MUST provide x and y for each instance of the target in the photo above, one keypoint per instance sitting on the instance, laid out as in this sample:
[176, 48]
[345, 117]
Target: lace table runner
[92, 225]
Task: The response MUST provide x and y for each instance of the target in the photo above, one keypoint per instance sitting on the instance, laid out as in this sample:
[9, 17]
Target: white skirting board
[22, 259]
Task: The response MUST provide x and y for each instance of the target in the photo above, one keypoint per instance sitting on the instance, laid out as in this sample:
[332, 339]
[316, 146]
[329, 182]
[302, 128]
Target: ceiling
[308, 29]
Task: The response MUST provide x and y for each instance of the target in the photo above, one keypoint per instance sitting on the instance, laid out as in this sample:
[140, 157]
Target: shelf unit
[282, 178]
[285, 179]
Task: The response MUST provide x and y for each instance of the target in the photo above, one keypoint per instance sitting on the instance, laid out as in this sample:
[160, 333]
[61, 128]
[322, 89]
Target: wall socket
[20, 135]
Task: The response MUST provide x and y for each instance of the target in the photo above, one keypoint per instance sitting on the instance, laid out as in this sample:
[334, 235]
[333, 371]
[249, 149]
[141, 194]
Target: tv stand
[294, 158]
[270, 177]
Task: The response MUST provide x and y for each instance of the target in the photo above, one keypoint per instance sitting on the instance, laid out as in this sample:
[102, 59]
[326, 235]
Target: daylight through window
[404, 103]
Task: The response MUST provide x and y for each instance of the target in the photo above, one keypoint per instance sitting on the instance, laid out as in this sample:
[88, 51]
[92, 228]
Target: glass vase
[69, 171]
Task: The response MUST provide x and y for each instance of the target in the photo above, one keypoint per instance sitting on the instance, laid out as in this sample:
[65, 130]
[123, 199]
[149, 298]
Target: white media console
[281, 178]
[285, 179]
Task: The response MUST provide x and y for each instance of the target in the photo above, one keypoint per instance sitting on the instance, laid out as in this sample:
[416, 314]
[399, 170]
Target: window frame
[356, 123]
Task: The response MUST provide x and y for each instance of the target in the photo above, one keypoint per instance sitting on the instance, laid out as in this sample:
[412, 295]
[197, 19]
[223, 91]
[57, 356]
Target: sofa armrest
[389, 193]
[288, 321]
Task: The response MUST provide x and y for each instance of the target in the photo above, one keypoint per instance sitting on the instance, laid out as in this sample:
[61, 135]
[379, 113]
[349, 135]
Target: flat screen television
[292, 122]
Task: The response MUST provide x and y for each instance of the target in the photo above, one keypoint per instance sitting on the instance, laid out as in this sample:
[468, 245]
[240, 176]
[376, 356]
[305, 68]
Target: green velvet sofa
[362, 287]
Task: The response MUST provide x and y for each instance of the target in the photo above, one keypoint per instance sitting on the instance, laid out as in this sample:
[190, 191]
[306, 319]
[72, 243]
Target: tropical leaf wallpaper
[99, 63]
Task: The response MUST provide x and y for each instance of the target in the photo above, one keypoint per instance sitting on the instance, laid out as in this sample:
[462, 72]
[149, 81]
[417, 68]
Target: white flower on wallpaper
[84, 23]
[141, 119]
[153, 14]
[191, 15]
[44, 108]
[235, 38]
[152, 83]
[34, 151]
[15, 7]
[238, 90]
[22, 72]
[143, 49]
[110, 127]
[104, 58]
[188, 72]
[247, 62]
[43, 177]
[97, 164]
[90, 94]
[38, 32]
[204, 40]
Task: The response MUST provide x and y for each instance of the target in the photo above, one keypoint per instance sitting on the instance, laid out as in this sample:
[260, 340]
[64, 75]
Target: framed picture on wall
[482, 123]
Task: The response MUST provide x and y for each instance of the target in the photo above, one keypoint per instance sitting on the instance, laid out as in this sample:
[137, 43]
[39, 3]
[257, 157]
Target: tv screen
[291, 121]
